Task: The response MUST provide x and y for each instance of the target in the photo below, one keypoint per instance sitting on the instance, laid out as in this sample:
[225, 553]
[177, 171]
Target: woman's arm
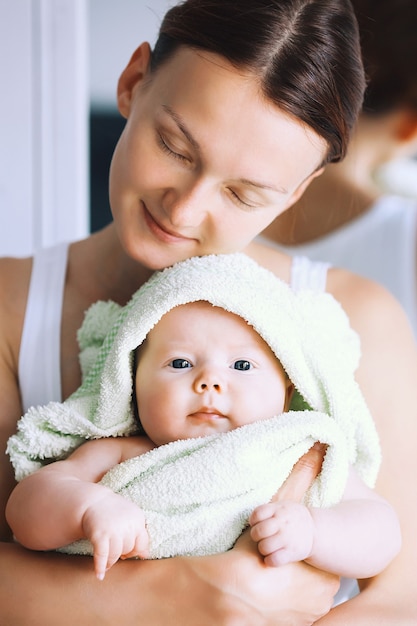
[387, 376]
[227, 589]
[230, 588]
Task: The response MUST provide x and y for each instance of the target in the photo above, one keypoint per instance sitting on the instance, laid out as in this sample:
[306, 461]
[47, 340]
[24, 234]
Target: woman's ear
[406, 127]
[301, 189]
[132, 75]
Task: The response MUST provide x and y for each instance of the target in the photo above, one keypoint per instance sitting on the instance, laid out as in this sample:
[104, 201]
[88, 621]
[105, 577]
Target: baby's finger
[278, 558]
[271, 544]
[107, 552]
[139, 550]
[262, 512]
[136, 554]
[264, 529]
[141, 546]
[101, 557]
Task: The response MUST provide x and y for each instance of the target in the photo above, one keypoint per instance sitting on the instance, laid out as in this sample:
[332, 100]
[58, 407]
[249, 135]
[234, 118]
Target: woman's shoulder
[15, 270]
[271, 257]
[370, 306]
[363, 299]
[14, 287]
[351, 289]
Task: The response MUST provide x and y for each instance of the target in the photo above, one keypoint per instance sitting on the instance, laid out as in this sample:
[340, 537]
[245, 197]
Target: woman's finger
[302, 475]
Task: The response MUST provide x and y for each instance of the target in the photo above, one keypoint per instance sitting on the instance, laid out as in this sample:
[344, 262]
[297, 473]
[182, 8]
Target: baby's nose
[208, 380]
[205, 386]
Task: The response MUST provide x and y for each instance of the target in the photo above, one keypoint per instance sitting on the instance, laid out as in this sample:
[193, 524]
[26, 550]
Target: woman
[348, 216]
[228, 120]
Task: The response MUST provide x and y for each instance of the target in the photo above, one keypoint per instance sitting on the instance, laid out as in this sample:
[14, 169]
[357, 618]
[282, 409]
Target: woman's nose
[184, 204]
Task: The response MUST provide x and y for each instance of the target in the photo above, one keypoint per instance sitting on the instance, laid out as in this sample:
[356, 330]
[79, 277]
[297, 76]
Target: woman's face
[205, 163]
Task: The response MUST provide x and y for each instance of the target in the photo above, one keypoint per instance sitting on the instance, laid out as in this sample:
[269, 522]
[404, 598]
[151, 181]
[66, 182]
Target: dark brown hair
[388, 32]
[305, 54]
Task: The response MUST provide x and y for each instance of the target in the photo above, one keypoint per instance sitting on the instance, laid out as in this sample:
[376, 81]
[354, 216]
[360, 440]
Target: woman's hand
[302, 475]
[295, 594]
[230, 589]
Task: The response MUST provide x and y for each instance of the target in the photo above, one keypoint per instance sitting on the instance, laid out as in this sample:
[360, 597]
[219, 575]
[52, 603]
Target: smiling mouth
[162, 233]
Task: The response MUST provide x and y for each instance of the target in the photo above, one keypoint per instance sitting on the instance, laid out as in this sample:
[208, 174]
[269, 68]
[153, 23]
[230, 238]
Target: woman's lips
[162, 233]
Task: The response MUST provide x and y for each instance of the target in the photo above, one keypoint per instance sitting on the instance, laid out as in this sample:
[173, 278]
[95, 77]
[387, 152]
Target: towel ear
[98, 320]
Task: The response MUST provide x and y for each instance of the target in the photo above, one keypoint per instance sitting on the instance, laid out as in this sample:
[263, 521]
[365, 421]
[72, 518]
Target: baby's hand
[284, 532]
[116, 528]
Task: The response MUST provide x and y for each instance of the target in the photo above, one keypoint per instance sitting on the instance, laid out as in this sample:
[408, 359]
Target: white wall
[116, 28]
[57, 57]
[43, 123]
[16, 178]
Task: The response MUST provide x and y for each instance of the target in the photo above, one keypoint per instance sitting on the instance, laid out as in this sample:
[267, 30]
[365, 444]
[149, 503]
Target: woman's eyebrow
[261, 185]
[183, 128]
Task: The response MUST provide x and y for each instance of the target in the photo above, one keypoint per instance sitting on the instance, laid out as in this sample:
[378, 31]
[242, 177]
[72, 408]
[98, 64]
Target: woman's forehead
[223, 110]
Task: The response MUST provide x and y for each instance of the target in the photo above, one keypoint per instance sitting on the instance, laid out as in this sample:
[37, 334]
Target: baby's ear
[288, 394]
[132, 75]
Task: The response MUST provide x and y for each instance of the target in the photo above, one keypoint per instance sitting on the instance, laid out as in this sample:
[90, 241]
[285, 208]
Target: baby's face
[202, 371]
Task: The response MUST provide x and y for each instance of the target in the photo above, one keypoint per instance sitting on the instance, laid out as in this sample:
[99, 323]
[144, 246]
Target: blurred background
[116, 28]
[59, 65]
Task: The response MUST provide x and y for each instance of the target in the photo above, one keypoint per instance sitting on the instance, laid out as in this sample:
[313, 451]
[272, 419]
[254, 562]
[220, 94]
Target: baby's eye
[242, 365]
[180, 364]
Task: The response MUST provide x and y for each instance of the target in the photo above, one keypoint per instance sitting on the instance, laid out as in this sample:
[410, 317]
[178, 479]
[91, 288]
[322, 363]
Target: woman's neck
[329, 203]
[103, 270]
[345, 190]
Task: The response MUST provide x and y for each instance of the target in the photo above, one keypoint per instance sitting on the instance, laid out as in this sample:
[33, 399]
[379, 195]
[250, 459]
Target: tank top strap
[39, 357]
[308, 275]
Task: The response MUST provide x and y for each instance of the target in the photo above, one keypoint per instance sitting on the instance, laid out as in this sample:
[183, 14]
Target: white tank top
[39, 357]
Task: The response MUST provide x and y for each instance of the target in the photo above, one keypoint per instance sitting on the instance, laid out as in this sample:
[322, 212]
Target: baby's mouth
[208, 414]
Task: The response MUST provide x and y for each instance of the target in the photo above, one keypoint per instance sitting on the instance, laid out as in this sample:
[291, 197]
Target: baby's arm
[61, 503]
[356, 538]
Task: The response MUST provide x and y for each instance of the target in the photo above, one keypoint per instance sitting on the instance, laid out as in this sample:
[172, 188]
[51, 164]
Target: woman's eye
[240, 201]
[180, 364]
[242, 365]
[166, 148]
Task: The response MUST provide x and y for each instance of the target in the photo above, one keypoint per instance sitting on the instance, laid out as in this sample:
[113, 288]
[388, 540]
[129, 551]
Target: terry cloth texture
[182, 486]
